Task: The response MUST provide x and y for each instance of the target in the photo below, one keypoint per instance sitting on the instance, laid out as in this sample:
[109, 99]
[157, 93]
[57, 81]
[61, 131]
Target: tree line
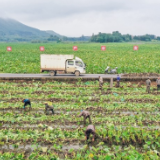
[64, 38]
[118, 37]
[115, 36]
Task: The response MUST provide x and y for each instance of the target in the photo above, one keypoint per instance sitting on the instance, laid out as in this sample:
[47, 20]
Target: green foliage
[25, 57]
[124, 129]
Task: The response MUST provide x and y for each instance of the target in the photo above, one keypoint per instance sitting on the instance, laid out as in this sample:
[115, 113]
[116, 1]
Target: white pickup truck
[61, 64]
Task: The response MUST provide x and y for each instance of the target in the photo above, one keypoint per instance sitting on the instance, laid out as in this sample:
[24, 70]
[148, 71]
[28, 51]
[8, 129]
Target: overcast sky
[85, 17]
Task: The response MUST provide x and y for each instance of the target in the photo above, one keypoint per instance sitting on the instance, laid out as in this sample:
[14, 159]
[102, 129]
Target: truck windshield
[78, 63]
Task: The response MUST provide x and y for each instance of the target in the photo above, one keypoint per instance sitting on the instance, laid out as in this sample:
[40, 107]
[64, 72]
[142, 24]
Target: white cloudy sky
[84, 17]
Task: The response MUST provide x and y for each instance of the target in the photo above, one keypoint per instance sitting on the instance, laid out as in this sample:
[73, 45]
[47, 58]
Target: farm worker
[118, 81]
[148, 84]
[100, 82]
[85, 115]
[48, 108]
[139, 83]
[26, 102]
[90, 130]
[158, 83]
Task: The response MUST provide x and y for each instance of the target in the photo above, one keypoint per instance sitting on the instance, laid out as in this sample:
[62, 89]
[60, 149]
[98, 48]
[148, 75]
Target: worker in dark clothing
[90, 130]
[118, 81]
[26, 102]
[158, 83]
[48, 108]
[85, 115]
[148, 84]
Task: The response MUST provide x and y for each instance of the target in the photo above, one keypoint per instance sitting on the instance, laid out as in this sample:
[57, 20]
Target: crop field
[25, 57]
[127, 121]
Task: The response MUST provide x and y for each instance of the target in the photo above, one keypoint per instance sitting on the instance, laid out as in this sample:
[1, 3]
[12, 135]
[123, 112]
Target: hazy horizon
[76, 18]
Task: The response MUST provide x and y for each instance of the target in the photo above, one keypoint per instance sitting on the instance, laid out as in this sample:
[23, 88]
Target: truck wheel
[77, 73]
[52, 73]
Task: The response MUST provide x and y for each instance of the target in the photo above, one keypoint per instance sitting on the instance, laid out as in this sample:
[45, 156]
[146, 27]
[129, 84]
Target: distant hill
[12, 30]
[53, 33]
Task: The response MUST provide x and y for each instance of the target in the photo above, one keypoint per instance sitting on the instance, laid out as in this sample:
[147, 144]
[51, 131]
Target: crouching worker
[118, 81]
[48, 108]
[26, 102]
[85, 115]
[90, 130]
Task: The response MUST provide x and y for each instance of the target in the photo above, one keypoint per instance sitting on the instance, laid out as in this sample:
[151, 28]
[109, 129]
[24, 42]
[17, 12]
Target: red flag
[9, 48]
[103, 48]
[75, 48]
[135, 48]
[41, 48]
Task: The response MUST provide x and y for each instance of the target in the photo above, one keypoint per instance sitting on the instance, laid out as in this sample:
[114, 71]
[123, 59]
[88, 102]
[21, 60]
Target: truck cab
[75, 66]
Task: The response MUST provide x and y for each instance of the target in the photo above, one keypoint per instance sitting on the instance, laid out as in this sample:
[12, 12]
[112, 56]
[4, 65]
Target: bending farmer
[26, 102]
[90, 130]
[85, 115]
[48, 108]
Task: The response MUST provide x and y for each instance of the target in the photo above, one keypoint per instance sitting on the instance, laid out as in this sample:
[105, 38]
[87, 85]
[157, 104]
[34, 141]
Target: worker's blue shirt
[25, 100]
[118, 78]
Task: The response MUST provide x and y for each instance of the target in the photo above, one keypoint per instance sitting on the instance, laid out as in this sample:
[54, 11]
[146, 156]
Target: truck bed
[54, 62]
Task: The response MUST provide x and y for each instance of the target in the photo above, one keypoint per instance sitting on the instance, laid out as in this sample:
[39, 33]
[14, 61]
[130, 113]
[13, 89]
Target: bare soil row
[71, 127]
[65, 122]
[73, 93]
[147, 100]
[125, 110]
